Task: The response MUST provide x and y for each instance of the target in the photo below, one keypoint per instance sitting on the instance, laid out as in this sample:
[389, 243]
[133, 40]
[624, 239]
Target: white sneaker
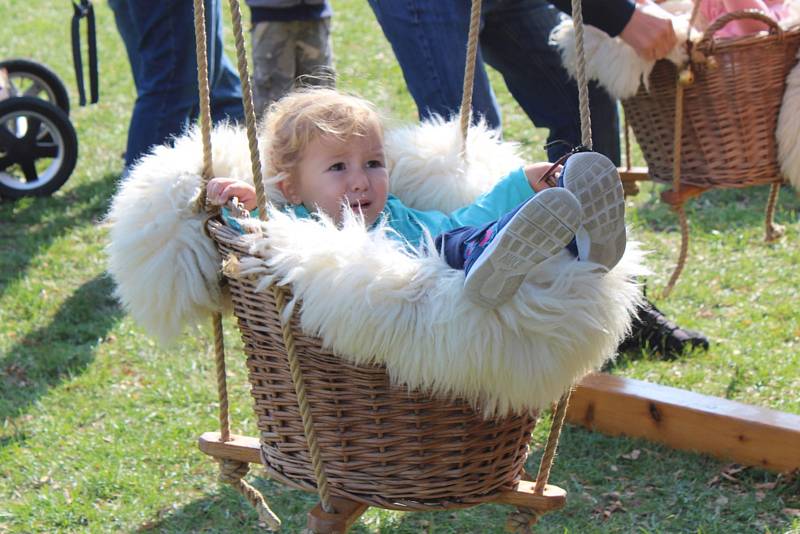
[519, 242]
[595, 182]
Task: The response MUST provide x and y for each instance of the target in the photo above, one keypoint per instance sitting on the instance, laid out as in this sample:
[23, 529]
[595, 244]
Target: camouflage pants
[288, 54]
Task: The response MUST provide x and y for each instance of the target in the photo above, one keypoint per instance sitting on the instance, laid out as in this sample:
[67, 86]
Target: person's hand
[220, 190]
[650, 32]
[534, 173]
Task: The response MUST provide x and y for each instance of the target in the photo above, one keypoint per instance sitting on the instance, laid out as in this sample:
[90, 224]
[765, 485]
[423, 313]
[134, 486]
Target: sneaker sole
[595, 182]
[539, 230]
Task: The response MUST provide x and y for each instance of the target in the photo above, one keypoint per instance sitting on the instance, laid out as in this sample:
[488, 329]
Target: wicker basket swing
[712, 123]
[343, 430]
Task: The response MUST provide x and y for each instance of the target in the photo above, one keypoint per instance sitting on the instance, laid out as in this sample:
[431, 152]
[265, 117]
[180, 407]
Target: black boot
[651, 329]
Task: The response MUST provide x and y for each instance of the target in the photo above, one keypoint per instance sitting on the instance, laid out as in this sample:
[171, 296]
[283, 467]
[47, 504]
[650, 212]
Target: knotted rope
[523, 519]
[231, 471]
[684, 79]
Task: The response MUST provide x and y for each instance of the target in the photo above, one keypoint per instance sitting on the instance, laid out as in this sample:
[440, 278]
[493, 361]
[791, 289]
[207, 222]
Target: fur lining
[363, 294]
[372, 301]
[611, 61]
[428, 172]
[788, 132]
[164, 266]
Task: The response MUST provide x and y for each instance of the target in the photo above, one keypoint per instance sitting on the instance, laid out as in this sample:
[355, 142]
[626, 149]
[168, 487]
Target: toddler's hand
[534, 173]
[220, 190]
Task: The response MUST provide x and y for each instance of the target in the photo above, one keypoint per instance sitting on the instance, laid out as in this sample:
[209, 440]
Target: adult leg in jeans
[167, 96]
[226, 88]
[515, 41]
[429, 39]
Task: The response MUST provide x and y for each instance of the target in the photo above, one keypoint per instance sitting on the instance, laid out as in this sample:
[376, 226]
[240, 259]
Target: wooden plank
[241, 448]
[634, 174]
[631, 177]
[347, 512]
[729, 430]
[553, 498]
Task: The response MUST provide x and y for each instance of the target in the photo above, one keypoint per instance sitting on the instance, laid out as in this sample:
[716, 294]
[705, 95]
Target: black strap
[85, 9]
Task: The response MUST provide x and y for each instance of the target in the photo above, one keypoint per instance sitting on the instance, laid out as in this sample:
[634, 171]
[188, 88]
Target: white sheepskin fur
[428, 172]
[611, 61]
[165, 267]
[364, 295]
[373, 302]
[788, 133]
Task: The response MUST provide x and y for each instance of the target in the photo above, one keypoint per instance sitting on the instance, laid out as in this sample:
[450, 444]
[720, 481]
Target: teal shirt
[411, 224]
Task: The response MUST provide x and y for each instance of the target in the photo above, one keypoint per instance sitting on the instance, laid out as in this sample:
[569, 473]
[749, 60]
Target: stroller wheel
[38, 147]
[29, 78]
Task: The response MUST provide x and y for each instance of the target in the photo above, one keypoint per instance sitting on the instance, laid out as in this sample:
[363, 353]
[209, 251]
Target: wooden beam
[553, 498]
[729, 430]
[631, 177]
[241, 448]
[346, 513]
[634, 174]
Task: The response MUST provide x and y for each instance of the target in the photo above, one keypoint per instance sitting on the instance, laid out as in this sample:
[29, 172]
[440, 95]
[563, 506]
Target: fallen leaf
[760, 495]
[633, 455]
[792, 512]
[721, 500]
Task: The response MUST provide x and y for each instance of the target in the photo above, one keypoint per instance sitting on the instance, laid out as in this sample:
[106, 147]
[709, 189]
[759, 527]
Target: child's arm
[220, 190]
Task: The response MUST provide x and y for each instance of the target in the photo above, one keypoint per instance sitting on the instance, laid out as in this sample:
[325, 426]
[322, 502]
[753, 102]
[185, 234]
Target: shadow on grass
[62, 348]
[609, 490]
[29, 225]
[721, 210]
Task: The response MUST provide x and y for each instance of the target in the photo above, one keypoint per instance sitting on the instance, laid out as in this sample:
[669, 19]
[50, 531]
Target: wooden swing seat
[248, 449]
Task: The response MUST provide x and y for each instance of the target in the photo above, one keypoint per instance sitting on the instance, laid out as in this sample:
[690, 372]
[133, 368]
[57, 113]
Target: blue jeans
[458, 245]
[429, 39]
[159, 40]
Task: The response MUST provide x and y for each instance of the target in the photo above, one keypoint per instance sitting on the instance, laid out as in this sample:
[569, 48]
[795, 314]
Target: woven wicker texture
[381, 443]
[730, 112]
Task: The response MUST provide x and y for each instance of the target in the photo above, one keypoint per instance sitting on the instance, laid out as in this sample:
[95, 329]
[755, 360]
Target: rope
[583, 83]
[305, 410]
[222, 383]
[249, 111]
[205, 134]
[522, 519]
[772, 231]
[205, 101]
[684, 252]
[278, 293]
[469, 72]
[552, 443]
[232, 472]
[677, 141]
[627, 129]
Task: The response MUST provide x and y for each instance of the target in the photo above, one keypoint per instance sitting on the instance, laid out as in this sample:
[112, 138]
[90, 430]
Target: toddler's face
[332, 172]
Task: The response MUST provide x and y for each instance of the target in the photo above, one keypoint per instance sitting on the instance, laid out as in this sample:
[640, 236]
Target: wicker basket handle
[707, 42]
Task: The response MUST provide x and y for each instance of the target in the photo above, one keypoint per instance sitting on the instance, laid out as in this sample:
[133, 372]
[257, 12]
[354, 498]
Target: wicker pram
[712, 124]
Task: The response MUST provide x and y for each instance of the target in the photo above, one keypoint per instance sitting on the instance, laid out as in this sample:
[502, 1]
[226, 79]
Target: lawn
[98, 424]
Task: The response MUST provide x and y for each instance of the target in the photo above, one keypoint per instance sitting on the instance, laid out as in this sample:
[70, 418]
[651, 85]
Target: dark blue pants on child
[459, 245]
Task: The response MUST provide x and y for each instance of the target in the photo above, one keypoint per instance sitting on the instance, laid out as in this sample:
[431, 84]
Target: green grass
[98, 424]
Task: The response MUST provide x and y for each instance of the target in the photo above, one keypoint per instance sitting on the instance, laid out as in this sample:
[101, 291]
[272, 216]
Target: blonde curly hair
[304, 115]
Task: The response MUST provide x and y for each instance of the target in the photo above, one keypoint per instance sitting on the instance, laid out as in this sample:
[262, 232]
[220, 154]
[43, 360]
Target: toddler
[327, 149]
[710, 10]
